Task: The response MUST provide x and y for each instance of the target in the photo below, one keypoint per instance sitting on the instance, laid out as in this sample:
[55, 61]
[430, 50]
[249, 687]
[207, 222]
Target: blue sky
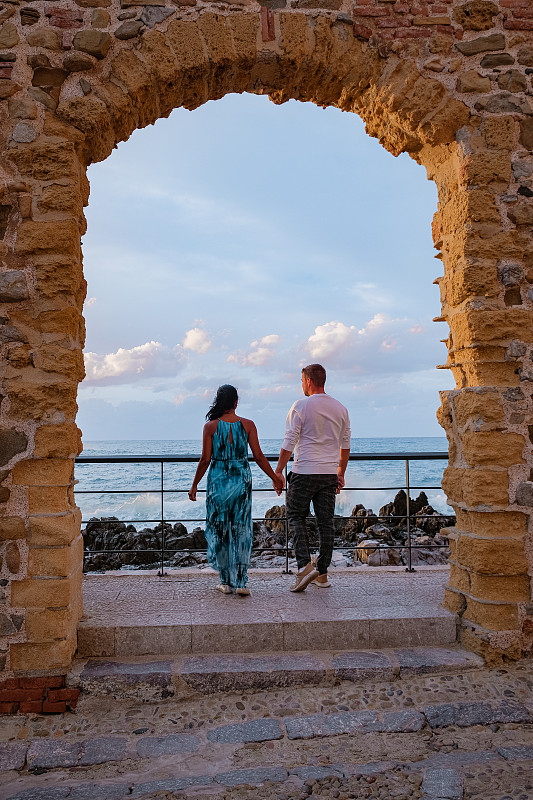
[240, 241]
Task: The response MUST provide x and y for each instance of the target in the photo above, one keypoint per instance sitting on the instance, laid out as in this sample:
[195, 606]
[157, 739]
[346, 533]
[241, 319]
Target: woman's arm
[260, 459]
[205, 458]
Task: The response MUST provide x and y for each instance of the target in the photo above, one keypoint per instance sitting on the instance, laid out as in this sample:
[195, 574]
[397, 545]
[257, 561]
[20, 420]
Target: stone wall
[448, 82]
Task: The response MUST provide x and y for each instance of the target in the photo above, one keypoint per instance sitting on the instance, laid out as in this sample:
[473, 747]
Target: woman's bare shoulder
[211, 426]
[249, 424]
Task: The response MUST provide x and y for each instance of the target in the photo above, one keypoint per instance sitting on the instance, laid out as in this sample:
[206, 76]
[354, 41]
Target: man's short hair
[315, 373]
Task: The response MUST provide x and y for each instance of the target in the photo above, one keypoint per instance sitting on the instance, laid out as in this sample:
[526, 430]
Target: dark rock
[6, 629]
[29, 16]
[8, 88]
[85, 86]
[483, 44]
[13, 286]
[524, 494]
[38, 60]
[525, 55]
[49, 76]
[526, 133]
[512, 81]
[500, 103]
[11, 443]
[13, 557]
[525, 191]
[43, 97]
[8, 58]
[466, 714]
[168, 785]
[5, 211]
[443, 783]
[74, 61]
[128, 30]
[51, 754]
[153, 16]
[96, 43]
[497, 60]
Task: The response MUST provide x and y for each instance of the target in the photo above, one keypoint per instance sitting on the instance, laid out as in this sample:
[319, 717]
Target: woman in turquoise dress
[229, 530]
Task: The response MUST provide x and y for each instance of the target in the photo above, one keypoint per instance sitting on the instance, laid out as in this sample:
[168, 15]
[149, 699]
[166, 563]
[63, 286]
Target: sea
[131, 492]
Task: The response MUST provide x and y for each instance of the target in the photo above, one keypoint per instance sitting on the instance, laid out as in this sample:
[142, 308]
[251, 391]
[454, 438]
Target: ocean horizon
[135, 496]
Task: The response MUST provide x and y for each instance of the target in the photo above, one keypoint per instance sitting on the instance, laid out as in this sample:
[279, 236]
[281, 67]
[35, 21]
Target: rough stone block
[58, 441]
[257, 730]
[319, 725]
[168, 785]
[464, 715]
[12, 443]
[43, 592]
[51, 754]
[48, 499]
[12, 756]
[49, 236]
[499, 524]
[507, 588]
[58, 623]
[56, 562]
[485, 487]
[13, 286]
[46, 162]
[12, 528]
[225, 673]
[174, 743]
[252, 776]
[102, 749]
[473, 404]
[492, 615]
[362, 664]
[442, 783]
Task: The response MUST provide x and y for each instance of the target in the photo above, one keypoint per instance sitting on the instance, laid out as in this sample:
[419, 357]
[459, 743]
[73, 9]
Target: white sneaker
[224, 588]
[243, 591]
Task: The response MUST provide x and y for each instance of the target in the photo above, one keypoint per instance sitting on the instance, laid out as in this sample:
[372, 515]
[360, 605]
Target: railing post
[409, 567]
[162, 572]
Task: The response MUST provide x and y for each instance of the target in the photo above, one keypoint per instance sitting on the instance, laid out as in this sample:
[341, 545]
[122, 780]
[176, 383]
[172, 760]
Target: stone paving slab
[139, 614]
[319, 725]
[155, 746]
[254, 776]
[12, 756]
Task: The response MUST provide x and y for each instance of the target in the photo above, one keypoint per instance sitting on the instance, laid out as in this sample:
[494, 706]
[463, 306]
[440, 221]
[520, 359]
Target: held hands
[278, 482]
[192, 493]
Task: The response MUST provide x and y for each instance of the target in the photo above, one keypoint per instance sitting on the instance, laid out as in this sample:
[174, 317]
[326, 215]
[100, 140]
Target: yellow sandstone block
[44, 472]
[40, 657]
[470, 405]
[12, 528]
[49, 236]
[58, 441]
[459, 578]
[48, 499]
[57, 562]
[497, 524]
[49, 531]
[504, 589]
[493, 448]
[54, 623]
[492, 616]
[44, 592]
[485, 487]
[452, 484]
[492, 556]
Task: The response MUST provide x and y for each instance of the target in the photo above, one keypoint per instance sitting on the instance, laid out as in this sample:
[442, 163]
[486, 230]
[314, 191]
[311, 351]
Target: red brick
[371, 11]
[518, 25]
[55, 695]
[20, 694]
[523, 13]
[54, 708]
[445, 29]
[409, 33]
[439, 9]
[8, 708]
[31, 707]
[514, 3]
[6, 70]
[402, 8]
[12, 683]
[47, 682]
[267, 25]
[361, 31]
[387, 35]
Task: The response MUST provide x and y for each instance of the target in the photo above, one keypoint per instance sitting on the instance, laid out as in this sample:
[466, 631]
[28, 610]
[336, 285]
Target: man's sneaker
[224, 588]
[303, 580]
[243, 591]
[323, 584]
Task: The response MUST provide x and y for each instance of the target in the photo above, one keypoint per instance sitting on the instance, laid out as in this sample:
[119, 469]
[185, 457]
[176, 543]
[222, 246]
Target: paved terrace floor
[135, 614]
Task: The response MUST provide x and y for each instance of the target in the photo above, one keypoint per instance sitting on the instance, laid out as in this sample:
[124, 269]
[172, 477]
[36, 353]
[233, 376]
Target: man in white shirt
[318, 431]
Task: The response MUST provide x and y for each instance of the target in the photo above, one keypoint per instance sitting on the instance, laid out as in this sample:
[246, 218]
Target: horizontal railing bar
[185, 491]
[129, 459]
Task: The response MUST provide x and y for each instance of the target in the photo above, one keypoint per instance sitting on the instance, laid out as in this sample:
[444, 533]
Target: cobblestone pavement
[433, 737]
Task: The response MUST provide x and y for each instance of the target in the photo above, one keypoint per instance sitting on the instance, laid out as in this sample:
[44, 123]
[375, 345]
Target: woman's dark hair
[224, 401]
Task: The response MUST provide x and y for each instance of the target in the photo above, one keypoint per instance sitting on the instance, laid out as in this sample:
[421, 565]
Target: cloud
[383, 344]
[197, 340]
[260, 353]
[149, 360]
[90, 301]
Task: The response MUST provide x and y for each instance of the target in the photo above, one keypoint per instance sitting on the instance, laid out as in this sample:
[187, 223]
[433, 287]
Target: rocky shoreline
[362, 538]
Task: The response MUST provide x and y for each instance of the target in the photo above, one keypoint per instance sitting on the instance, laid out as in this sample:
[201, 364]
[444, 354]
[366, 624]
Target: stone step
[181, 614]
[186, 676]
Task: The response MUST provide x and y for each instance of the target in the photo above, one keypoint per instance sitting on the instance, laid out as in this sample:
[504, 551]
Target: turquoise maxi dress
[229, 505]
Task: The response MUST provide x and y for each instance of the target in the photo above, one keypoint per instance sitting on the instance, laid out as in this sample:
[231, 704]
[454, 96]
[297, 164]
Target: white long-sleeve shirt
[317, 427]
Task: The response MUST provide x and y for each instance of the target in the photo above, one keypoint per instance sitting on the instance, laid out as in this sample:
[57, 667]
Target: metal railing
[163, 492]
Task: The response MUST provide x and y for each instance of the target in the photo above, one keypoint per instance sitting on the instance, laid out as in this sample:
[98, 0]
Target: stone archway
[448, 83]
